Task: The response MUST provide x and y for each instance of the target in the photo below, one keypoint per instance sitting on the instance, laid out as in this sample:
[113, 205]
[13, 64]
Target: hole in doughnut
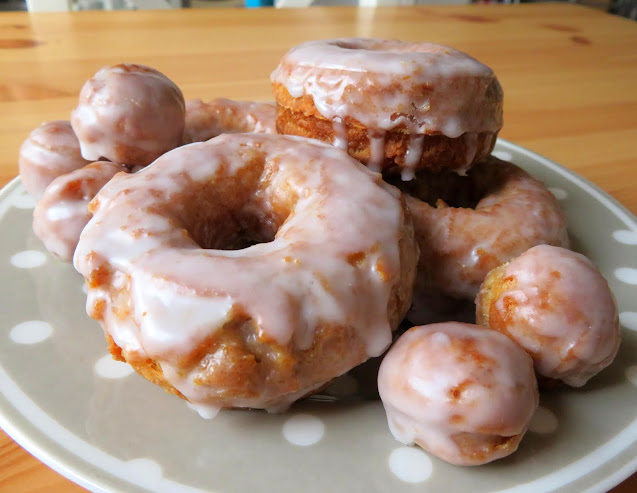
[389, 46]
[452, 189]
[242, 212]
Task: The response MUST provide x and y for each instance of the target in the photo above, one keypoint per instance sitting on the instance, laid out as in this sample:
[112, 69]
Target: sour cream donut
[558, 307]
[462, 392]
[62, 212]
[390, 104]
[225, 116]
[51, 150]
[505, 212]
[129, 114]
[246, 271]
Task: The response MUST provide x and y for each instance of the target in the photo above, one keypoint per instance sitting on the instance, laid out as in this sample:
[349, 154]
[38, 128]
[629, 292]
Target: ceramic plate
[97, 422]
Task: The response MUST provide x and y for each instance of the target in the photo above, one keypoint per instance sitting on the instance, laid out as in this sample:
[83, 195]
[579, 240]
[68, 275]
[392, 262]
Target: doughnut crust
[437, 151]
[393, 105]
[245, 271]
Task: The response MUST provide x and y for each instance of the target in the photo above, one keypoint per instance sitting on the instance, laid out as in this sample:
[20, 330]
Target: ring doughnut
[460, 391]
[502, 211]
[51, 150]
[224, 116]
[245, 271]
[62, 212]
[129, 114]
[390, 104]
[557, 306]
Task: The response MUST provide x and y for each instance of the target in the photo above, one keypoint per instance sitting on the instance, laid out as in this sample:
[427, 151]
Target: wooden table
[569, 75]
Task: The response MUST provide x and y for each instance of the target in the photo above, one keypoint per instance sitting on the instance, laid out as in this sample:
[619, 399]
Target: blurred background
[625, 8]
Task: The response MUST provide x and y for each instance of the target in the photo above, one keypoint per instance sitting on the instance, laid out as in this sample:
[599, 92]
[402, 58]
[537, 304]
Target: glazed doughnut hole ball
[129, 114]
[558, 307]
[51, 150]
[462, 392]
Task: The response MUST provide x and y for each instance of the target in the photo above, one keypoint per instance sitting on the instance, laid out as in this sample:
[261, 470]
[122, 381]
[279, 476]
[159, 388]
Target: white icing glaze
[412, 157]
[62, 212]
[206, 411]
[51, 150]
[340, 133]
[455, 389]
[560, 309]
[377, 151]
[177, 294]
[222, 116]
[471, 142]
[128, 114]
[459, 246]
[422, 87]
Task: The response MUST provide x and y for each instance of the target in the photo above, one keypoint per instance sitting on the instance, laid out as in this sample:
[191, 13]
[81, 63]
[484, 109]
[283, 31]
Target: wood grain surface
[569, 74]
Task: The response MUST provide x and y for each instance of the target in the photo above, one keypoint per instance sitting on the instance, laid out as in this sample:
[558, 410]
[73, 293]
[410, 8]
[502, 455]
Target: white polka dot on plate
[631, 374]
[504, 155]
[627, 275]
[147, 470]
[24, 202]
[625, 236]
[303, 430]
[28, 259]
[558, 193]
[410, 464]
[628, 320]
[107, 367]
[30, 332]
[544, 421]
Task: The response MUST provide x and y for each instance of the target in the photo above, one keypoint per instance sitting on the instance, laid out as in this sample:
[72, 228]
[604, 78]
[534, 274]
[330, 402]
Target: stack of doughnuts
[250, 270]
[427, 117]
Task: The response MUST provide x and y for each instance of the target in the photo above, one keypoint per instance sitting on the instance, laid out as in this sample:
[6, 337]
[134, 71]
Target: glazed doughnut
[51, 150]
[558, 307]
[129, 114]
[224, 116]
[246, 271]
[62, 212]
[502, 211]
[462, 392]
[390, 104]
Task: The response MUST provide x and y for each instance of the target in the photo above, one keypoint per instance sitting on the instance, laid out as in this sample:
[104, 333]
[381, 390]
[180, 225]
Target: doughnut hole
[460, 391]
[558, 307]
[387, 46]
[129, 114]
[50, 151]
[443, 189]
